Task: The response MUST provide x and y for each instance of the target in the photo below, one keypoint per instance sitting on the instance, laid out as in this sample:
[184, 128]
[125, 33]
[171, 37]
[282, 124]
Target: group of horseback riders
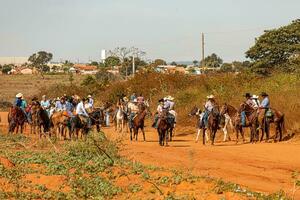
[70, 105]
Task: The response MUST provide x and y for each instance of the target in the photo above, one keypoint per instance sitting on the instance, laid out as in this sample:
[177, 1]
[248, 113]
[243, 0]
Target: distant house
[85, 69]
[26, 71]
[170, 69]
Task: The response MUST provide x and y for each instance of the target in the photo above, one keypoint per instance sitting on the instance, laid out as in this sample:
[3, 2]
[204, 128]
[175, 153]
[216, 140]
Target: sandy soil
[263, 167]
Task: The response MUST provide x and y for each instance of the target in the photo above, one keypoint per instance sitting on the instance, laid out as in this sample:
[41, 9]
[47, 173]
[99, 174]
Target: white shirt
[209, 106]
[159, 109]
[80, 110]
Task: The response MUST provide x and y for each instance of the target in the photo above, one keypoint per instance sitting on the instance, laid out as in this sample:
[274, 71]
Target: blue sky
[168, 29]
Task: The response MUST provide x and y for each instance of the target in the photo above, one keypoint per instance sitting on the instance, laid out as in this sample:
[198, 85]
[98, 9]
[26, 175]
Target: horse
[252, 120]
[232, 118]
[79, 125]
[164, 128]
[120, 118]
[139, 121]
[59, 121]
[34, 118]
[278, 119]
[213, 124]
[16, 118]
[43, 122]
[97, 118]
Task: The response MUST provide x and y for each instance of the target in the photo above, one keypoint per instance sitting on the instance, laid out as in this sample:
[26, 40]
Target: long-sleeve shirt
[265, 103]
[80, 110]
[91, 103]
[209, 106]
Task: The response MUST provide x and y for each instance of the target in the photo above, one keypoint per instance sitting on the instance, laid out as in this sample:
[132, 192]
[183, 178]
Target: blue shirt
[45, 104]
[18, 102]
[91, 102]
[265, 103]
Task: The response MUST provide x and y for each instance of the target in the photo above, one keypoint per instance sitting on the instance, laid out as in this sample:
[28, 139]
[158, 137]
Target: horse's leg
[144, 136]
[237, 130]
[122, 126]
[130, 134]
[267, 129]
[225, 130]
[242, 133]
[203, 135]
[213, 134]
[160, 136]
[198, 133]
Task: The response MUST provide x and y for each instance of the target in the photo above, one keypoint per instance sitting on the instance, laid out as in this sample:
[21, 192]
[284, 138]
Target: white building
[13, 60]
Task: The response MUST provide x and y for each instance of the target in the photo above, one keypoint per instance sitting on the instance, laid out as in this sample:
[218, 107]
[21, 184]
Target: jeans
[243, 118]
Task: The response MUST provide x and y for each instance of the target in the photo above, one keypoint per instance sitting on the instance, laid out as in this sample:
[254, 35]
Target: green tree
[275, 47]
[212, 61]
[226, 67]
[174, 63]
[112, 61]
[195, 62]
[39, 60]
[6, 68]
[158, 62]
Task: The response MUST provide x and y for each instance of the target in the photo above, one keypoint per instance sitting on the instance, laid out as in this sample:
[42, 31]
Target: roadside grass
[93, 169]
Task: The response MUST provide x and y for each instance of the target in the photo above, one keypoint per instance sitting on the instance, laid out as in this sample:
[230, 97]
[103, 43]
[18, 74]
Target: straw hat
[210, 96]
[170, 98]
[19, 95]
[134, 101]
[255, 96]
[125, 98]
[89, 96]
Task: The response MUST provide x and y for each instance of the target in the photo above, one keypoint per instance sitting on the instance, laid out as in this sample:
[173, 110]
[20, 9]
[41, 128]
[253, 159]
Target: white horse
[120, 121]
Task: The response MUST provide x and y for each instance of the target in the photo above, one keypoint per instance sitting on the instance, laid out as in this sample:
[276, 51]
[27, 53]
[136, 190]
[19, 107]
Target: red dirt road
[263, 167]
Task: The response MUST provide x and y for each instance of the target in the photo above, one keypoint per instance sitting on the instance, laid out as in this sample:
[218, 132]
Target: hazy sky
[168, 29]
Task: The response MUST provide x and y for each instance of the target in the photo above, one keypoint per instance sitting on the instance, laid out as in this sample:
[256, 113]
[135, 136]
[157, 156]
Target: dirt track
[265, 167]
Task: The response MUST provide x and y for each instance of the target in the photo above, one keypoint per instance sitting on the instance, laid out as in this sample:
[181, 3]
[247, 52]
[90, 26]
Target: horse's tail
[282, 124]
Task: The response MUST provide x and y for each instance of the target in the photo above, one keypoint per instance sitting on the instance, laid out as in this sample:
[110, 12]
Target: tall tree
[212, 61]
[195, 62]
[275, 47]
[39, 60]
[112, 61]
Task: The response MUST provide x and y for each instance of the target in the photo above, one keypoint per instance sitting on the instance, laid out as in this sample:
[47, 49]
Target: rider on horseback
[208, 107]
[250, 102]
[45, 104]
[133, 109]
[170, 104]
[158, 113]
[83, 115]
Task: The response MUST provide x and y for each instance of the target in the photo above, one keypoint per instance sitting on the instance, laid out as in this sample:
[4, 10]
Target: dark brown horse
[232, 112]
[165, 128]
[139, 122]
[213, 124]
[16, 119]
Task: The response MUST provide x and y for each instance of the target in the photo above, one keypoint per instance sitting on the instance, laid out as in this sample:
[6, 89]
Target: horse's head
[194, 111]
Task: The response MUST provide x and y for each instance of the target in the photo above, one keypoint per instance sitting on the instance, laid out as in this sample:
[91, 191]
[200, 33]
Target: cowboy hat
[44, 96]
[210, 96]
[89, 96]
[125, 98]
[255, 96]
[247, 94]
[170, 98]
[263, 94]
[134, 101]
[19, 95]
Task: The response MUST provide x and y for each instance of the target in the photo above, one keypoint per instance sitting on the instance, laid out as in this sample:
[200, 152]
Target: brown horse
[213, 124]
[252, 120]
[164, 128]
[59, 122]
[16, 119]
[232, 112]
[278, 119]
[139, 122]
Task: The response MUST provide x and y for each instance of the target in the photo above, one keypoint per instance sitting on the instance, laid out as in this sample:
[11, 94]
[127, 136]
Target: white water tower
[103, 55]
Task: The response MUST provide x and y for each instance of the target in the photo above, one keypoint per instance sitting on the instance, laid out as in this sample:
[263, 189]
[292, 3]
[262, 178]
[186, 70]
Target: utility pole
[133, 65]
[203, 64]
